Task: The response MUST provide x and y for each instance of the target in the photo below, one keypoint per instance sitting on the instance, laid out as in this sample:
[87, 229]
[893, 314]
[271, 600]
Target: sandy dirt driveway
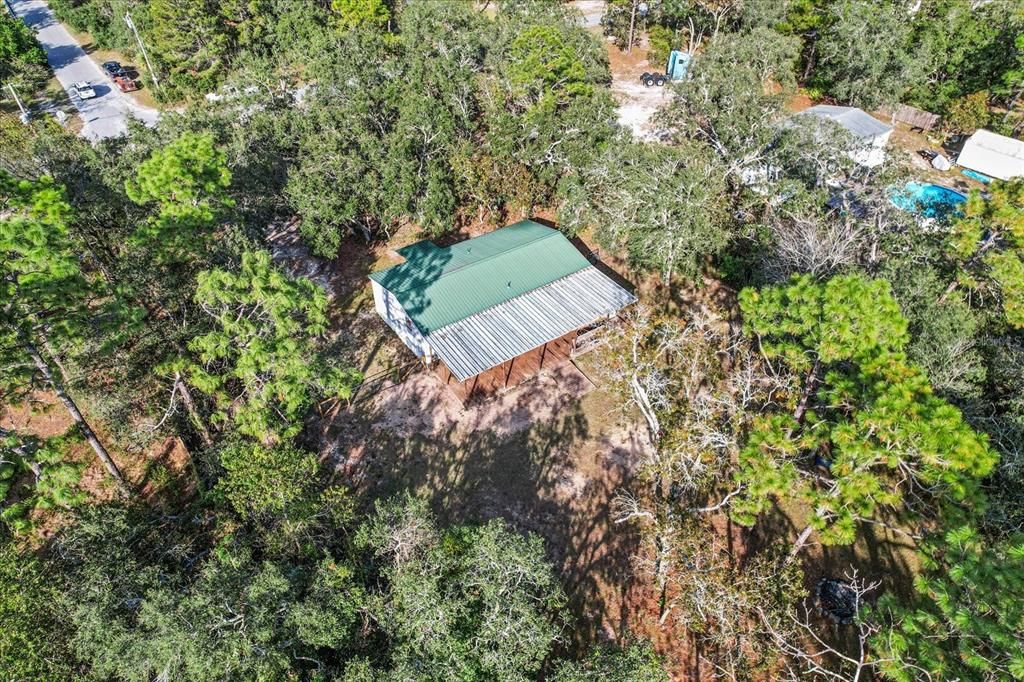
[637, 103]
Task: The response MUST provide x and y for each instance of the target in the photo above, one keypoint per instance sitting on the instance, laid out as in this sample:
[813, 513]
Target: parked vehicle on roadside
[84, 90]
[126, 84]
[114, 69]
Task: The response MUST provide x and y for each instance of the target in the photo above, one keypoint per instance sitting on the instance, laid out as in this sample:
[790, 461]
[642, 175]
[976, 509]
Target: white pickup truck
[84, 89]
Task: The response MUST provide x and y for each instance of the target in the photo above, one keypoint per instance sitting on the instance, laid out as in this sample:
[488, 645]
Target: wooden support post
[476, 380]
[543, 352]
[509, 372]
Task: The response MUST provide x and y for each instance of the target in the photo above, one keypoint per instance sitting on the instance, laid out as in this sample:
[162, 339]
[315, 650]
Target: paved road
[106, 114]
[592, 11]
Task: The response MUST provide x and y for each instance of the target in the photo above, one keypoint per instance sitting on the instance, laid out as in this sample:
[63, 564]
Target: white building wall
[392, 312]
[871, 153]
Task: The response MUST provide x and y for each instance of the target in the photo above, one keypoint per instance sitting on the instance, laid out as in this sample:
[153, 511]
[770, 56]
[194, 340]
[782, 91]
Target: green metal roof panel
[441, 285]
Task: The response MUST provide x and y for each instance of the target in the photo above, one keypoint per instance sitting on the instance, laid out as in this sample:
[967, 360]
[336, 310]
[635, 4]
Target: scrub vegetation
[800, 455]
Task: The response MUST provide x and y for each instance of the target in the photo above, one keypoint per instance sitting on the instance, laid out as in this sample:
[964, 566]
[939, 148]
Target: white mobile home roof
[858, 122]
[994, 155]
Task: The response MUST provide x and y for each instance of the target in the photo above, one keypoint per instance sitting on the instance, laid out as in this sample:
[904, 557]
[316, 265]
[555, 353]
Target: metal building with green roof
[482, 302]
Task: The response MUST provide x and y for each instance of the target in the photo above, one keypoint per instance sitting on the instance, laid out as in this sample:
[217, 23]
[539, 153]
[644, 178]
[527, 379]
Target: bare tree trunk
[56, 360]
[193, 413]
[801, 540]
[985, 246]
[949, 289]
[632, 24]
[812, 53]
[810, 387]
[646, 409]
[76, 414]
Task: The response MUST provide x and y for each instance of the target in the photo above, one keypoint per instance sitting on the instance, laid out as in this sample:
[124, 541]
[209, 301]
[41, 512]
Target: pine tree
[987, 245]
[966, 620]
[864, 412]
[52, 479]
[187, 180]
[261, 364]
[47, 300]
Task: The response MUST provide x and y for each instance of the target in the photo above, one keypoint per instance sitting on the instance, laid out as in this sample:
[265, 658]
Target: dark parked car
[113, 68]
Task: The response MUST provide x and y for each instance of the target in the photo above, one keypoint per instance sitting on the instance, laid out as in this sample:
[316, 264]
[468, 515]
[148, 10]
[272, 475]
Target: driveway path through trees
[106, 115]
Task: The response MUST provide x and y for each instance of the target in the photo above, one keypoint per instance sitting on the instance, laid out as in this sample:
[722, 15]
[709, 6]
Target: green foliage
[662, 206]
[634, 663]
[22, 60]
[848, 318]
[472, 603]
[280, 491]
[966, 114]
[544, 68]
[661, 41]
[966, 620]
[235, 617]
[196, 45]
[40, 272]
[188, 172]
[869, 413]
[987, 246]
[266, 481]
[188, 181]
[615, 22]
[378, 148]
[943, 336]
[539, 134]
[48, 297]
[191, 41]
[195, 597]
[52, 480]
[866, 53]
[261, 364]
[966, 48]
[357, 14]
[732, 99]
[32, 643]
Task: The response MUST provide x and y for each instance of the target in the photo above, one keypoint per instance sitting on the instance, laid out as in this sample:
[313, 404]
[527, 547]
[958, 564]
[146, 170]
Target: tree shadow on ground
[877, 554]
[557, 479]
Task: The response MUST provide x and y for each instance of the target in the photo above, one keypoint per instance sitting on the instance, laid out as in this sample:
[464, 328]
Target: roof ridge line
[460, 268]
[546, 235]
[588, 266]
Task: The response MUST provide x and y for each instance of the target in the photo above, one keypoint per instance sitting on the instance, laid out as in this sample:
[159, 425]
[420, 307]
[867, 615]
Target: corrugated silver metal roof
[857, 121]
[509, 329]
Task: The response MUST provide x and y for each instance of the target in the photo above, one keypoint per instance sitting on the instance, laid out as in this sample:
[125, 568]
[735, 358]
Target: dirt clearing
[637, 102]
[548, 456]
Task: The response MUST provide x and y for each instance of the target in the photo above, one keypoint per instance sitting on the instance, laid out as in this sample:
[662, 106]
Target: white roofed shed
[996, 156]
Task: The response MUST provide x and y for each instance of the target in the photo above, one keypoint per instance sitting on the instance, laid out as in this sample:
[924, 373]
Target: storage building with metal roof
[484, 301]
[996, 156]
[871, 133]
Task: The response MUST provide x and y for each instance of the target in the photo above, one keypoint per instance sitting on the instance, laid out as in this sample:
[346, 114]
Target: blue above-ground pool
[926, 200]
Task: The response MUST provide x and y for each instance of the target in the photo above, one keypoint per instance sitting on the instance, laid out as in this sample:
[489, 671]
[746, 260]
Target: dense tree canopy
[863, 411]
[261, 364]
[189, 303]
[22, 60]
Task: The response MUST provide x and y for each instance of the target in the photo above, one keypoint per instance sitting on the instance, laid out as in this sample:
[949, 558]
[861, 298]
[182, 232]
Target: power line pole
[21, 107]
[142, 48]
[632, 24]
